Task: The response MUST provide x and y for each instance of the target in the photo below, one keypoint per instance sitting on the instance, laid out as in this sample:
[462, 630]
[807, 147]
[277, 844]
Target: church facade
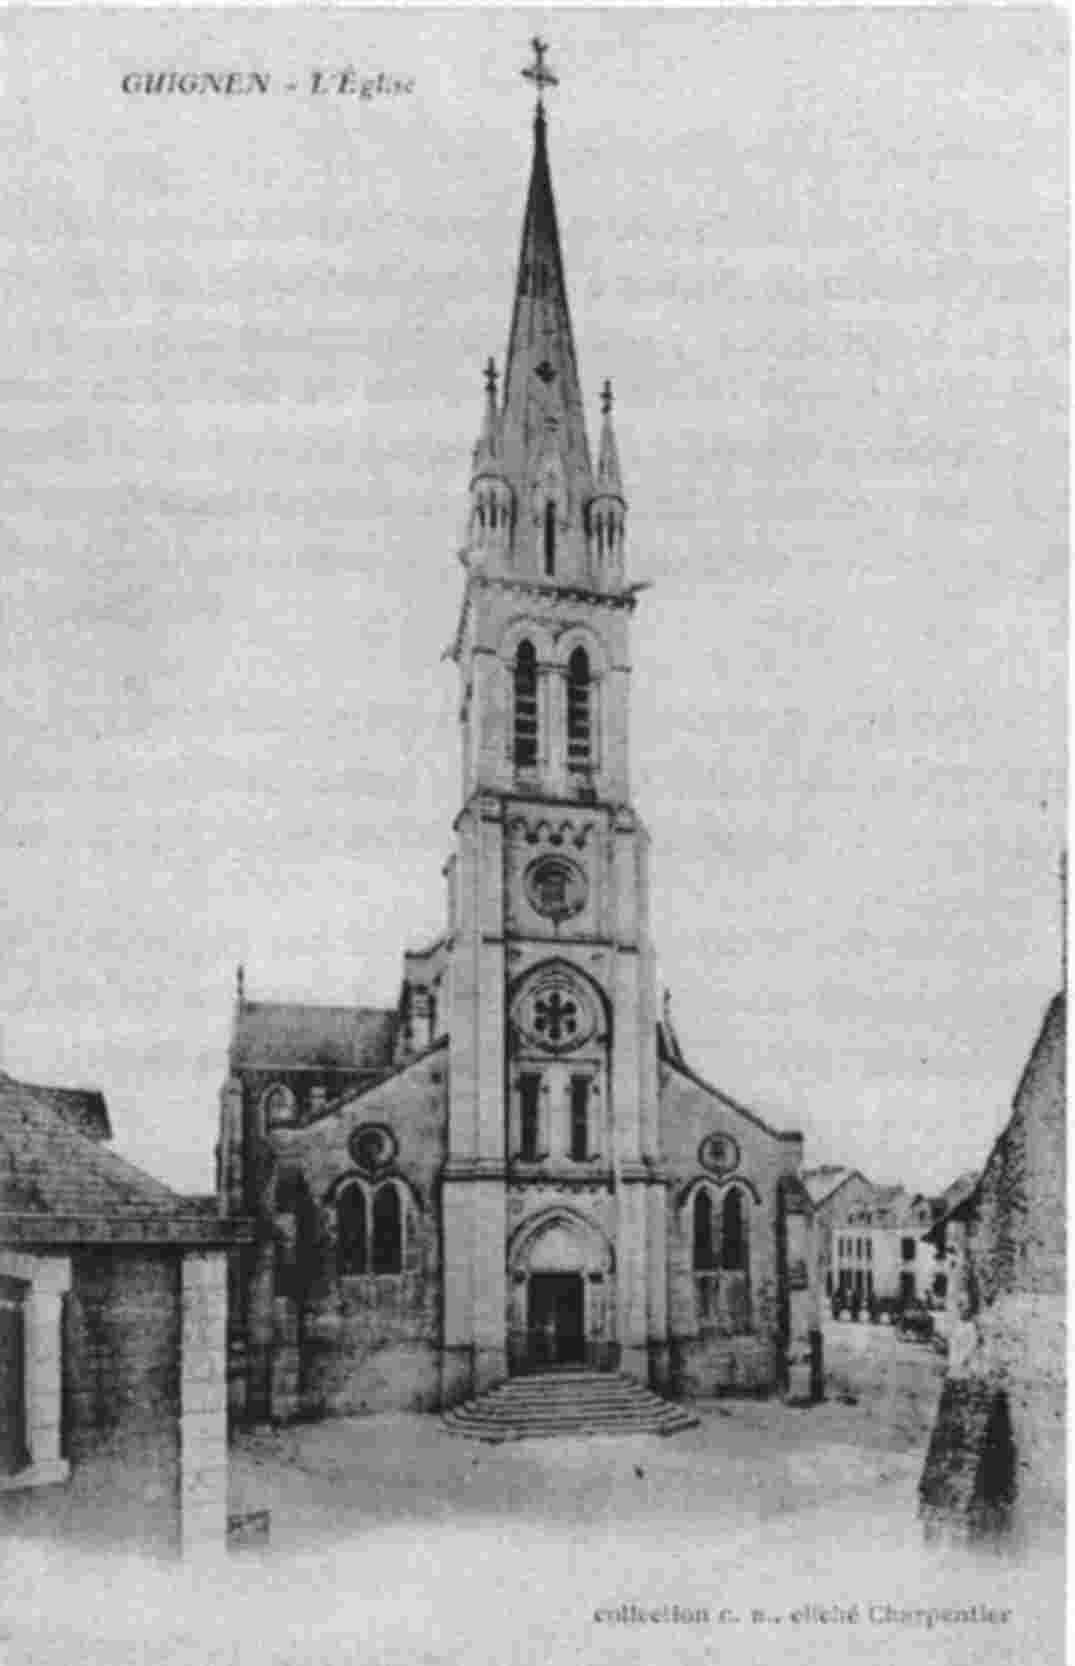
[514, 1168]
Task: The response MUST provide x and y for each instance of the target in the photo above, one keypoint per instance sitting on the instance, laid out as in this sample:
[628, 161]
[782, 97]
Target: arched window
[387, 1231]
[526, 707]
[733, 1239]
[578, 711]
[351, 1231]
[550, 538]
[704, 1255]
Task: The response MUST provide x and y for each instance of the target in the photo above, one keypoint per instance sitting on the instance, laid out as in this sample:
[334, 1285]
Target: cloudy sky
[823, 256]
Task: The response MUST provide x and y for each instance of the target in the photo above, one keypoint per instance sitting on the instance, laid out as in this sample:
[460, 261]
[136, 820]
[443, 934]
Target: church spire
[487, 449]
[545, 449]
[609, 481]
[608, 507]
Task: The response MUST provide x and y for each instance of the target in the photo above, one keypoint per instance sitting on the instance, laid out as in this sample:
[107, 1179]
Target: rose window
[556, 1017]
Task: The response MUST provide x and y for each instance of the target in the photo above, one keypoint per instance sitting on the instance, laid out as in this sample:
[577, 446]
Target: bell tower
[552, 1001]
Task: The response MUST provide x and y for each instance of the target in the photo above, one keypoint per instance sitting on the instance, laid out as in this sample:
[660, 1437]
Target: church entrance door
[555, 1320]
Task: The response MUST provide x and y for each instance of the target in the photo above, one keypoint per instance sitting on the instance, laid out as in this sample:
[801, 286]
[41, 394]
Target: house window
[705, 1259]
[550, 538]
[526, 707]
[387, 1231]
[858, 1249]
[580, 1118]
[733, 1247]
[907, 1249]
[869, 1249]
[351, 1231]
[529, 1116]
[578, 711]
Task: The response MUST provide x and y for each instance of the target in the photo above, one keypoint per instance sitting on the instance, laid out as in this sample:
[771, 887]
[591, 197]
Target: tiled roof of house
[827, 1178]
[278, 1035]
[60, 1185]
[83, 1108]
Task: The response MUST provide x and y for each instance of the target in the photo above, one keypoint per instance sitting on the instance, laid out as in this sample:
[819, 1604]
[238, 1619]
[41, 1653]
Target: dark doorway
[13, 1452]
[555, 1320]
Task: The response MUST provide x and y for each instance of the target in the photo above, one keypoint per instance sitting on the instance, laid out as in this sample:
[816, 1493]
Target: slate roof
[83, 1108]
[278, 1035]
[59, 1185]
[822, 1182]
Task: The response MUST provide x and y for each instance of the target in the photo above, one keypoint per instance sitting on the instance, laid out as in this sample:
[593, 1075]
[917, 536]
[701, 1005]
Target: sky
[823, 257]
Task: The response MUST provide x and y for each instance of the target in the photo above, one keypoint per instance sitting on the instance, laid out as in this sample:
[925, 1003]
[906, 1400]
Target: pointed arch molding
[718, 1187]
[352, 1176]
[596, 1251]
[553, 642]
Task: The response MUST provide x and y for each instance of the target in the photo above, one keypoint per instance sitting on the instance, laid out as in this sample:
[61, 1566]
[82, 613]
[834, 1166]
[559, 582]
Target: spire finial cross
[490, 378]
[537, 72]
[606, 398]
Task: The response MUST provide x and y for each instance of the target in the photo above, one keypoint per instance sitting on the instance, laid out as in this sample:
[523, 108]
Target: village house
[113, 1294]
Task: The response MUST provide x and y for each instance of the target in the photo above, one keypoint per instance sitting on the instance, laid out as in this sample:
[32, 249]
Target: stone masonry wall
[121, 1397]
[347, 1343]
[1008, 1283]
[724, 1353]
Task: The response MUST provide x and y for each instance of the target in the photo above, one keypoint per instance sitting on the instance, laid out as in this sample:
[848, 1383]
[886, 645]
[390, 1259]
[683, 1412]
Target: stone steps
[567, 1403]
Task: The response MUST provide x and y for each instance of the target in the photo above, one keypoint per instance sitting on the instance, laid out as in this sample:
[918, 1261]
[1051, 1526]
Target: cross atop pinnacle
[537, 73]
[491, 377]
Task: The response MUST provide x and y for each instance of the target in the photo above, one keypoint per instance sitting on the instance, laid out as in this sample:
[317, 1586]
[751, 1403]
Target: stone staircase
[567, 1402]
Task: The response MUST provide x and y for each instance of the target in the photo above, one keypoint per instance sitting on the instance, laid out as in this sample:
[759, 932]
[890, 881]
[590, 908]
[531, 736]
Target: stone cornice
[182, 1231]
[558, 595]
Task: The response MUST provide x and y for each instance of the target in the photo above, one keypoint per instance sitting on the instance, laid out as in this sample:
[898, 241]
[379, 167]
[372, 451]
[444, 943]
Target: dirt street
[767, 1534]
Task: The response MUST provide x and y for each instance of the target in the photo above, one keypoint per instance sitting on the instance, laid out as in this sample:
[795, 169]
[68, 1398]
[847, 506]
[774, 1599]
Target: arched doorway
[561, 1294]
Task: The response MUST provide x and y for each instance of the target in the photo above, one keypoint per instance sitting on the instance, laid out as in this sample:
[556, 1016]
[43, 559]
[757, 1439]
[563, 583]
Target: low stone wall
[704, 1366]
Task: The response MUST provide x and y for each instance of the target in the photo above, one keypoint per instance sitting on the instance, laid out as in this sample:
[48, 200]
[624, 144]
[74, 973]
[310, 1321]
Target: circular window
[719, 1153]
[556, 888]
[555, 1015]
[372, 1147]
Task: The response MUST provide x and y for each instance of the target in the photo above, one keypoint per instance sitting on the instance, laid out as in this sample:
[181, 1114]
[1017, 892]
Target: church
[514, 1170]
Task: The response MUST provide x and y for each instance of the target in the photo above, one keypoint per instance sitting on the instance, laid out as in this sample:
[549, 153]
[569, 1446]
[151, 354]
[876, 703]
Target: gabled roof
[277, 1035]
[678, 1068]
[59, 1185]
[823, 1183]
[83, 1108]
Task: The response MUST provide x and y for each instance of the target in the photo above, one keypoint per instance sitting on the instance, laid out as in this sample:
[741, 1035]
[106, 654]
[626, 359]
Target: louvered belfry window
[579, 730]
[529, 1116]
[526, 707]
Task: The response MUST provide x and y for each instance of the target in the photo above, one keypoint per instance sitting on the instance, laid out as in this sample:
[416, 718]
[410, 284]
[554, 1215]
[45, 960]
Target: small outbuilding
[113, 1320]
